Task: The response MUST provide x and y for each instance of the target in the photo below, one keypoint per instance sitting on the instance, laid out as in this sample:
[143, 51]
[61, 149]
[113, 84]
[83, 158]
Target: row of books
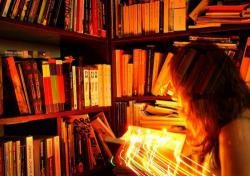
[30, 156]
[86, 16]
[80, 148]
[144, 71]
[83, 16]
[52, 85]
[83, 143]
[148, 17]
[161, 114]
[45, 12]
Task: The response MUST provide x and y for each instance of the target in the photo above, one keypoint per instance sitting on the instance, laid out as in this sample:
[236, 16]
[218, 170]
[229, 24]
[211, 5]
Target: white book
[29, 156]
[86, 77]
[101, 83]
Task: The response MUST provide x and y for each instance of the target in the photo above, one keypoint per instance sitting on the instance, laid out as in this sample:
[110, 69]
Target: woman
[216, 104]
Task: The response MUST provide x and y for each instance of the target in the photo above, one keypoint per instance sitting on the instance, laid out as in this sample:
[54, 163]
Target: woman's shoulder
[234, 145]
[237, 129]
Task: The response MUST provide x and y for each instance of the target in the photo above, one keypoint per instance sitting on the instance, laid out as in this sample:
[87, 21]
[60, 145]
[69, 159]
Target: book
[162, 80]
[245, 60]
[13, 83]
[157, 110]
[29, 156]
[101, 128]
[226, 8]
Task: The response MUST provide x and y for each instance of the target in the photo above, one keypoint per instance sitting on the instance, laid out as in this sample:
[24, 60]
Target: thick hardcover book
[86, 86]
[149, 68]
[87, 16]
[37, 78]
[24, 87]
[28, 77]
[14, 92]
[67, 74]
[67, 14]
[33, 10]
[1, 86]
[47, 88]
[60, 80]
[49, 157]
[79, 87]
[54, 20]
[29, 156]
[27, 12]
[54, 84]
[42, 157]
[56, 153]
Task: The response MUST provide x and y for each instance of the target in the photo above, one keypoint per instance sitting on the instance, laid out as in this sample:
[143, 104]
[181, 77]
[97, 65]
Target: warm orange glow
[155, 152]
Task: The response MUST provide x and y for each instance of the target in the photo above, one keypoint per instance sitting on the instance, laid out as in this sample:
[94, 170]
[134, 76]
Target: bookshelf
[95, 50]
[91, 48]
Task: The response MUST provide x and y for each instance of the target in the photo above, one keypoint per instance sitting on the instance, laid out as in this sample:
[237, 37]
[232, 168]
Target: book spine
[23, 108]
[57, 160]
[1, 87]
[149, 69]
[29, 156]
[27, 100]
[86, 87]
[74, 90]
[79, 83]
[27, 12]
[47, 87]
[49, 157]
[60, 80]
[37, 82]
[67, 75]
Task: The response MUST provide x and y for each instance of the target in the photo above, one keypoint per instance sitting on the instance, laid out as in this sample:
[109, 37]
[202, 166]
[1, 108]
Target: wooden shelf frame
[167, 37]
[64, 114]
[18, 30]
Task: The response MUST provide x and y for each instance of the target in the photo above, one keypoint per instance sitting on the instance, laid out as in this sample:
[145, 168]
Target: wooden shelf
[28, 118]
[150, 38]
[18, 30]
[160, 38]
[142, 98]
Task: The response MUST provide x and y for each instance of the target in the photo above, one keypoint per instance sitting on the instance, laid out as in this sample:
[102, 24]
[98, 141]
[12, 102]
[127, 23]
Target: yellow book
[163, 78]
[158, 57]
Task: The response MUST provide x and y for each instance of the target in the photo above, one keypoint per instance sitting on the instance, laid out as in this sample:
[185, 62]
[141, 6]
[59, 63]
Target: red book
[16, 83]
[37, 83]
[94, 17]
[227, 8]
[29, 81]
[47, 87]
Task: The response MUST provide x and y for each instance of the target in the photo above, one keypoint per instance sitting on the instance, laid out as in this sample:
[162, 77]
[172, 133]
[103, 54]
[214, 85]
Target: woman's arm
[234, 145]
